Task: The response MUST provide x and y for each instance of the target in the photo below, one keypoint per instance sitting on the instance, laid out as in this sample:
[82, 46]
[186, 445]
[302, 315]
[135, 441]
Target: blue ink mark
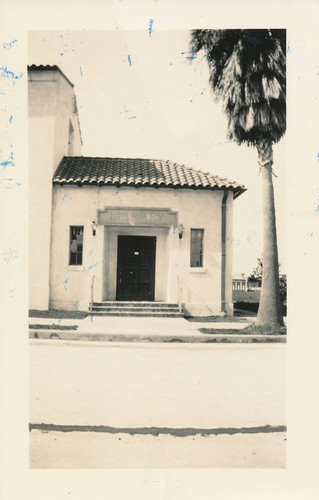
[9, 44]
[9, 183]
[150, 27]
[189, 57]
[10, 254]
[174, 229]
[91, 318]
[288, 48]
[81, 71]
[9, 162]
[61, 54]
[65, 282]
[309, 234]
[127, 111]
[171, 64]
[120, 189]
[5, 73]
[66, 196]
[92, 265]
[129, 60]
[76, 305]
[10, 119]
[318, 157]
[190, 100]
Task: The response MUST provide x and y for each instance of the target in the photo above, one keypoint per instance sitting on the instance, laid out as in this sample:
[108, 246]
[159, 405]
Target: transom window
[197, 239]
[76, 246]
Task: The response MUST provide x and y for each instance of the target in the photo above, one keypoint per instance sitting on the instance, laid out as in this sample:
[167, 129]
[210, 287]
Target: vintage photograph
[157, 248]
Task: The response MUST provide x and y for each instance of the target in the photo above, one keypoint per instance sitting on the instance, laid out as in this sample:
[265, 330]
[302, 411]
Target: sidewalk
[129, 329]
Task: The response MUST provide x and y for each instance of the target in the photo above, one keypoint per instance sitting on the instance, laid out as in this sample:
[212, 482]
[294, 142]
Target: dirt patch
[215, 319]
[223, 331]
[53, 327]
[156, 431]
[266, 330]
[34, 313]
[249, 330]
[241, 312]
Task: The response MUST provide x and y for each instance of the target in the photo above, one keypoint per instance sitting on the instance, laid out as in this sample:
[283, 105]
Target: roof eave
[48, 67]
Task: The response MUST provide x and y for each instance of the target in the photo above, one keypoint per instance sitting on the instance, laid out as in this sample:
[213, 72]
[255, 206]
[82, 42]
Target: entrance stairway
[136, 309]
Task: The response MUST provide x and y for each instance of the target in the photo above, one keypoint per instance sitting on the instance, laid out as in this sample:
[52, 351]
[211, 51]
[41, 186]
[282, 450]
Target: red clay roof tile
[138, 172]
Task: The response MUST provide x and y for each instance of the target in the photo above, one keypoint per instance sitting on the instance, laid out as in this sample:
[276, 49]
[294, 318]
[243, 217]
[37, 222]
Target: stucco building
[120, 229]
[240, 282]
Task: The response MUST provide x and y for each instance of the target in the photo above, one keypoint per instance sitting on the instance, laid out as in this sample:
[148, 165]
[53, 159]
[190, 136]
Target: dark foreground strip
[53, 327]
[155, 431]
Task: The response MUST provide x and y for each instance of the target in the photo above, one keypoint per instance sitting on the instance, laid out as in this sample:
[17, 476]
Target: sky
[140, 95]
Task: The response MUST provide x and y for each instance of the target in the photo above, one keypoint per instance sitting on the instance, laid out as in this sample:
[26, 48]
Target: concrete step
[143, 304]
[135, 309]
[141, 314]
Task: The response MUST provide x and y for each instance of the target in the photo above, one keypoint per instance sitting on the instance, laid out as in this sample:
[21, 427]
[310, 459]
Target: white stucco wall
[201, 288]
[50, 99]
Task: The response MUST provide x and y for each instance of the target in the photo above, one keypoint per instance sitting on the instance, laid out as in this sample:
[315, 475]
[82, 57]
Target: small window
[71, 139]
[76, 245]
[197, 237]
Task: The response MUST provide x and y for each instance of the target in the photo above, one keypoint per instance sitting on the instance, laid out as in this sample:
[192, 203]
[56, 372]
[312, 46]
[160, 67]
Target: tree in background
[248, 74]
[256, 276]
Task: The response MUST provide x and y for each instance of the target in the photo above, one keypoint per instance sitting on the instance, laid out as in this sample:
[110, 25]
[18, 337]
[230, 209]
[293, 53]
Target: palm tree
[248, 74]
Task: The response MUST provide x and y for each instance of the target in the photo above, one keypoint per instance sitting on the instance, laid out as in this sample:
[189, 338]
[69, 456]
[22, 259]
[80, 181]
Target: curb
[126, 337]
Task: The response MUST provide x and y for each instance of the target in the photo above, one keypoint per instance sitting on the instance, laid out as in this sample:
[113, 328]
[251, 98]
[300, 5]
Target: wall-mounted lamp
[93, 226]
[180, 231]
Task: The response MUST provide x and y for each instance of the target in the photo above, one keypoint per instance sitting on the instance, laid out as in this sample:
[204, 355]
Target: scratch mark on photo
[9, 254]
[150, 27]
[10, 75]
[9, 45]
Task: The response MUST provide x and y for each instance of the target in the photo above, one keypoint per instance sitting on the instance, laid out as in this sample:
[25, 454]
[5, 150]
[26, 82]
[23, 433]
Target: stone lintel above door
[142, 217]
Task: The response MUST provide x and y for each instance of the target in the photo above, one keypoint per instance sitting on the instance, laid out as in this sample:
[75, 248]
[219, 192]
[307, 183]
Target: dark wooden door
[136, 268]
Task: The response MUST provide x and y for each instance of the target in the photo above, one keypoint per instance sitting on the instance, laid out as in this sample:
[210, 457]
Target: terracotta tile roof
[138, 172]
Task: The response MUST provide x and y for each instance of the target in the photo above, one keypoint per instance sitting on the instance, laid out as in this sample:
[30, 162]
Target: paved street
[148, 385]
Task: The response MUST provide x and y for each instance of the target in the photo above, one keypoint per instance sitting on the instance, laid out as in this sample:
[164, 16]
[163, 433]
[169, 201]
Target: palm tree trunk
[269, 312]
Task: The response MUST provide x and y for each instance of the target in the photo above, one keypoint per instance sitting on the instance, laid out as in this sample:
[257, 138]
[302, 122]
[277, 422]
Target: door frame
[109, 277]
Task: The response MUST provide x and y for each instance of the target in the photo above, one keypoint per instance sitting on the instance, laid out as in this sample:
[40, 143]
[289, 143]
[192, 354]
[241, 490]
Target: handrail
[92, 287]
[179, 293]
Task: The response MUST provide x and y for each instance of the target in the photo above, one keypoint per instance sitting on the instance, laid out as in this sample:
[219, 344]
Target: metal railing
[179, 293]
[92, 289]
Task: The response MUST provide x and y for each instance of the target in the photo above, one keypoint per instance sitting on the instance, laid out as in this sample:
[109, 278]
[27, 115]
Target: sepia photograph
[159, 242]
[157, 248]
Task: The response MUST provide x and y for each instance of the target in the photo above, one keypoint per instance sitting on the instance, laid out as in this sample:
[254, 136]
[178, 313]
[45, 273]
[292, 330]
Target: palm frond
[248, 74]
